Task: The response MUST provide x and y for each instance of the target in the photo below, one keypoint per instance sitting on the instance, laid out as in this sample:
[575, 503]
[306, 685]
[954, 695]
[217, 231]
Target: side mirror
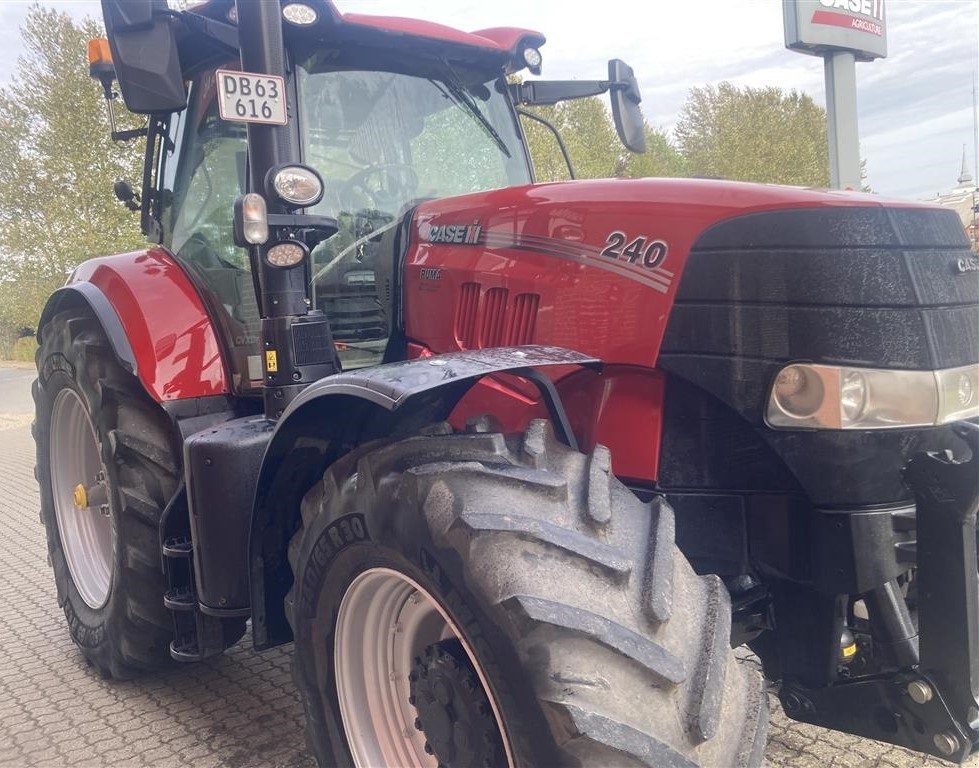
[144, 52]
[123, 191]
[625, 105]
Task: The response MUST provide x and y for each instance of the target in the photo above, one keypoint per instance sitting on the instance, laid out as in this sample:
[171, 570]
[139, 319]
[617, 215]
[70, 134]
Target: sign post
[842, 32]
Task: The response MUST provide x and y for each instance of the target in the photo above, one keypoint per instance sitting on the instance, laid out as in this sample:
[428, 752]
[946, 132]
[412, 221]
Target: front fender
[155, 320]
[333, 416]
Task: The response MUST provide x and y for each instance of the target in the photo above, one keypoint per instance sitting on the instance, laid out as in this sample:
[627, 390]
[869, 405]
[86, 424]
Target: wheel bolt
[947, 743]
[920, 692]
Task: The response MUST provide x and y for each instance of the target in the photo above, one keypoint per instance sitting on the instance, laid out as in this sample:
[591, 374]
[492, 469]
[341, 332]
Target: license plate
[244, 97]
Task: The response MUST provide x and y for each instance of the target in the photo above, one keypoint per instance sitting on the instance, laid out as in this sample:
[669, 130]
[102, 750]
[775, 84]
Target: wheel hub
[410, 689]
[453, 711]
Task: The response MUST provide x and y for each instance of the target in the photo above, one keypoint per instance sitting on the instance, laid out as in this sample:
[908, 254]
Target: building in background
[964, 199]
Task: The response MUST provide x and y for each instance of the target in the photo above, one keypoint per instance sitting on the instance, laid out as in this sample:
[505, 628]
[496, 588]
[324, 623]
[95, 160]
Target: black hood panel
[869, 287]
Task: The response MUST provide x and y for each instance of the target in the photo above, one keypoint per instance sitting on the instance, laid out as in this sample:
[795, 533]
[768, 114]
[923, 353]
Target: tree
[56, 203]
[660, 158]
[596, 152]
[754, 134]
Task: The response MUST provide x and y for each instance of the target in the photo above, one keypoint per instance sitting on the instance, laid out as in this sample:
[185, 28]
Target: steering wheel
[401, 178]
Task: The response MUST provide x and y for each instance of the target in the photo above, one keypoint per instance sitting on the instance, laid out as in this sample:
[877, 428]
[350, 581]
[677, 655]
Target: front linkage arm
[932, 706]
[947, 499]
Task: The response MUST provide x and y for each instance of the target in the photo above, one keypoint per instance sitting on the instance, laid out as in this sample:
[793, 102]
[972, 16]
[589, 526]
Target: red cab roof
[502, 39]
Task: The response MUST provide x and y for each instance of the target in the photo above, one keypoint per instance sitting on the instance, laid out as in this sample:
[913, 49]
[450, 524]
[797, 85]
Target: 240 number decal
[644, 251]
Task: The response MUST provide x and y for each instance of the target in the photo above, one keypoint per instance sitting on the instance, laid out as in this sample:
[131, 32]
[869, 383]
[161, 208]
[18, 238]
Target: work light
[299, 14]
[298, 186]
[286, 254]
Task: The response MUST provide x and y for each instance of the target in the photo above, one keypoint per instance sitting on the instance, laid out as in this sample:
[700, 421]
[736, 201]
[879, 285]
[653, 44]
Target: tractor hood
[604, 260]
[718, 285]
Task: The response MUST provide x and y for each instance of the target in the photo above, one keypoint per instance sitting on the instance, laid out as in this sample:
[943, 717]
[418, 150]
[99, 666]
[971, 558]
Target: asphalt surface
[236, 711]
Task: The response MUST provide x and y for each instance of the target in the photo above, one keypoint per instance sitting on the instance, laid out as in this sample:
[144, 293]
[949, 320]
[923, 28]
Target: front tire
[106, 557]
[594, 641]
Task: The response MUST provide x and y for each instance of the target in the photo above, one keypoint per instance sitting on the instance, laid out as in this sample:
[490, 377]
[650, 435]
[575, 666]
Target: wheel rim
[86, 532]
[385, 621]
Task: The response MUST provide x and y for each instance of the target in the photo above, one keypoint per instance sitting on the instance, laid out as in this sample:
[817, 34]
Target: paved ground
[237, 711]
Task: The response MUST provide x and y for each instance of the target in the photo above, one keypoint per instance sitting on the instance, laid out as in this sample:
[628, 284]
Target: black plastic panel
[869, 287]
[222, 465]
[864, 336]
[711, 531]
[843, 227]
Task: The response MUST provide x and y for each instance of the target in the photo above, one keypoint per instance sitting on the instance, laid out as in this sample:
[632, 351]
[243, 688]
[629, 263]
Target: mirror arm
[625, 85]
[149, 223]
[111, 96]
[224, 34]
[557, 135]
[135, 133]
[547, 92]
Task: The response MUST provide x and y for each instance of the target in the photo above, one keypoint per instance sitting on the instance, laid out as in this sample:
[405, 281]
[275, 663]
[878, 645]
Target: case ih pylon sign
[819, 26]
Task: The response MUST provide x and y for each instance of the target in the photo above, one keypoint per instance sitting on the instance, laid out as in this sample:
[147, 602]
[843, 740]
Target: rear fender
[335, 415]
[155, 320]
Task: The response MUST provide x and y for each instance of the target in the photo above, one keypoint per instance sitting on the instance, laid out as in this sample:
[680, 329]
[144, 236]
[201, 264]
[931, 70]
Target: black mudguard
[89, 296]
[336, 414]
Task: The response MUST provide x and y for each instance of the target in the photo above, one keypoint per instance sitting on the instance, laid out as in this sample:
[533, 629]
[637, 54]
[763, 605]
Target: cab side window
[202, 176]
[207, 178]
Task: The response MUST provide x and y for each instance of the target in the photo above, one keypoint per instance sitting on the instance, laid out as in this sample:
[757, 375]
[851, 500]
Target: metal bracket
[553, 403]
[947, 499]
[931, 706]
[905, 709]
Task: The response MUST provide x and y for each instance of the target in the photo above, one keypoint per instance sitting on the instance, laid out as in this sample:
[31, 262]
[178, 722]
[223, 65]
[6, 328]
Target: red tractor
[513, 465]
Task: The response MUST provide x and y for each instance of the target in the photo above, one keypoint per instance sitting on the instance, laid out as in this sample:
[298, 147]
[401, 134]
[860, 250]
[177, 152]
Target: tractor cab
[386, 112]
[382, 141]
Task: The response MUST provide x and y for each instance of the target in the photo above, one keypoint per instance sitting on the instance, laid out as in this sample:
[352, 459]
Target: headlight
[832, 397]
[295, 185]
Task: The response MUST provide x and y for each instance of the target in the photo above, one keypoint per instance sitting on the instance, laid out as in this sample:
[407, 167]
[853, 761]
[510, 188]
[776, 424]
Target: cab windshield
[382, 141]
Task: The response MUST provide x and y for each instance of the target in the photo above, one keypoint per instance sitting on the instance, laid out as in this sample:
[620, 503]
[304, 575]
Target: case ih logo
[869, 15]
[968, 264]
[452, 233]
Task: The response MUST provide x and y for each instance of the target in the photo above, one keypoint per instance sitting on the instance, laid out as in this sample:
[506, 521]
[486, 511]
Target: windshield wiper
[461, 96]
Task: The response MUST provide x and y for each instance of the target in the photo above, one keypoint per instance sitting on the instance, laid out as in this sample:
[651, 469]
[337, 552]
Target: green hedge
[21, 350]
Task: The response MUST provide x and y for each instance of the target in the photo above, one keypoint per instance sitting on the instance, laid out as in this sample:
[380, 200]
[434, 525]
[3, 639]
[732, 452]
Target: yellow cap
[80, 497]
[849, 651]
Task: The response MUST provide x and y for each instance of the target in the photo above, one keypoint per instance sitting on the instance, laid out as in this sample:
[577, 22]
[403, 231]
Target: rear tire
[130, 632]
[600, 645]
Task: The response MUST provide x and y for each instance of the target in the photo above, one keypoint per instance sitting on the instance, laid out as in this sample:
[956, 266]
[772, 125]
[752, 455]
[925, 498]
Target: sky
[915, 107]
